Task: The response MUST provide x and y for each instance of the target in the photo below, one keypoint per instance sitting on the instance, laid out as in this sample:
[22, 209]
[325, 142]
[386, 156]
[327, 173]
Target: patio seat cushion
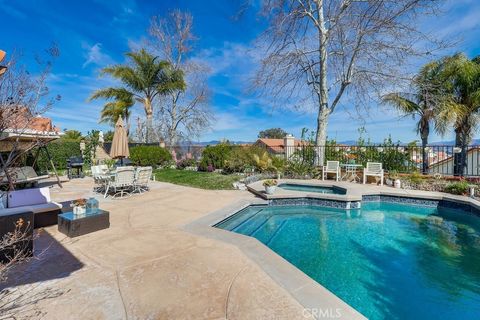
[28, 197]
[39, 208]
[3, 200]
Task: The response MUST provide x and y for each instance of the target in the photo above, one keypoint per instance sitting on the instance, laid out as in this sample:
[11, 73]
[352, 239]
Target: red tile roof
[19, 118]
[277, 145]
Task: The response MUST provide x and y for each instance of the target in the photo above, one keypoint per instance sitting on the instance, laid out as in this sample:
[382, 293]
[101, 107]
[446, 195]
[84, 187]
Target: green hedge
[150, 156]
[215, 157]
[59, 151]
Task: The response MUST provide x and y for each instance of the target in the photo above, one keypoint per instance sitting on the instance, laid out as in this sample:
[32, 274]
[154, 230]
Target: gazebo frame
[27, 140]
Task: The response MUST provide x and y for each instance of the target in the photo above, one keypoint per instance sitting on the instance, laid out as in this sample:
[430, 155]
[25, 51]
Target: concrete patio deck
[145, 266]
[160, 260]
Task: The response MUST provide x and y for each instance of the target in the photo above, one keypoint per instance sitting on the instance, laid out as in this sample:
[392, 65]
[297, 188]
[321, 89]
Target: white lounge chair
[122, 183]
[373, 169]
[331, 167]
[142, 177]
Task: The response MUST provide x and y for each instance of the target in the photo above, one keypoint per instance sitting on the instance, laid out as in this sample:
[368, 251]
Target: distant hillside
[214, 142]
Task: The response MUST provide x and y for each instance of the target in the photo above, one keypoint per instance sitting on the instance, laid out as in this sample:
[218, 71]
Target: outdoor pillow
[3, 200]
[28, 197]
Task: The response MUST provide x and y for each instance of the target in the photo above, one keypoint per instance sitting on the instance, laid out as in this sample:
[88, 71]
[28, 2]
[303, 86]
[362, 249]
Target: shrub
[214, 157]
[270, 183]
[150, 156]
[415, 178]
[238, 160]
[299, 169]
[242, 158]
[59, 151]
[459, 188]
[279, 163]
[182, 164]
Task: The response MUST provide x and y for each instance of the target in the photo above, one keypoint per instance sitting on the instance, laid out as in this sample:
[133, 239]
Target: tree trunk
[127, 124]
[459, 159]
[424, 136]
[323, 110]
[424, 156]
[149, 123]
[321, 137]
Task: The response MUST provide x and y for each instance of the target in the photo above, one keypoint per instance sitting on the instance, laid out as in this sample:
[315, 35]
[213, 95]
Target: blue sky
[92, 34]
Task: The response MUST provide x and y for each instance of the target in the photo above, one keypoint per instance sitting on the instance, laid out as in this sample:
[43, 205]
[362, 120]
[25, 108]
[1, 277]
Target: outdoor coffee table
[351, 172]
[77, 225]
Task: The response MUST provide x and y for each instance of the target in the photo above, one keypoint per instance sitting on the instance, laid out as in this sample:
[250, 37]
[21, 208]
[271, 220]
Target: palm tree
[462, 108]
[119, 108]
[421, 104]
[72, 135]
[145, 79]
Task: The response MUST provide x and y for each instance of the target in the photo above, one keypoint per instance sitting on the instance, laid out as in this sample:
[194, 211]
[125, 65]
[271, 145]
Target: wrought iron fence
[445, 160]
[438, 159]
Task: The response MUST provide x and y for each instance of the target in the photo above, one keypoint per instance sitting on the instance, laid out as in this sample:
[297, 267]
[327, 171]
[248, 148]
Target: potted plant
[79, 206]
[270, 186]
[395, 179]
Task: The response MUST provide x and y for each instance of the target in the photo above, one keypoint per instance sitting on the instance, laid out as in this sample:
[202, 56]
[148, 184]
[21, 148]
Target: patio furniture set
[121, 182]
[373, 169]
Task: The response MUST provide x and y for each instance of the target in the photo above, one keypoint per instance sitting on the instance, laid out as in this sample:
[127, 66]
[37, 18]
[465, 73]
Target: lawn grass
[202, 180]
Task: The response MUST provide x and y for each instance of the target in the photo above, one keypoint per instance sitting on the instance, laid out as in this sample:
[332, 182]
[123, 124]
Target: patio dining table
[351, 172]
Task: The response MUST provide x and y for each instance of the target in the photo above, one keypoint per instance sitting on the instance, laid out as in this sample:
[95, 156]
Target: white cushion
[27, 197]
[3, 199]
[34, 208]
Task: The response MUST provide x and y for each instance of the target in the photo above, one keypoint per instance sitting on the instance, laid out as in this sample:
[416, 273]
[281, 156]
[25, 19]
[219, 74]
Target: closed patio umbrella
[119, 148]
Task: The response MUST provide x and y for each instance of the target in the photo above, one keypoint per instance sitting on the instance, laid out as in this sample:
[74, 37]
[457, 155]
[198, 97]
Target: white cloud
[94, 55]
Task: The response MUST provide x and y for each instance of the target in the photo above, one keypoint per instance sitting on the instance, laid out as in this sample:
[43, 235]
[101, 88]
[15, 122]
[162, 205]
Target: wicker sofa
[31, 206]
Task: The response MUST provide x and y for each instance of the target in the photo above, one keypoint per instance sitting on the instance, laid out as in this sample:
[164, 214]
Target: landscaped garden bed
[197, 179]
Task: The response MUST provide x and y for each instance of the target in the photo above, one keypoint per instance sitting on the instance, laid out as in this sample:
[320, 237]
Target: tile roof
[19, 118]
[277, 145]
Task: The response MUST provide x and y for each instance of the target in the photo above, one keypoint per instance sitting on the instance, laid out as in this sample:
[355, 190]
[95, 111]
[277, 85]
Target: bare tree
[20, 96]
[319, 51]
[183, 114]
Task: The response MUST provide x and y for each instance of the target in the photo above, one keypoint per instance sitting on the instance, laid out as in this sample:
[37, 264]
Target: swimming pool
[312, 188]
[388, 261]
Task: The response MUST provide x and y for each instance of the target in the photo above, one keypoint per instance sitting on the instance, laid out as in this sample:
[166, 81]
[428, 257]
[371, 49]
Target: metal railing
[445, 160]
[435, 159]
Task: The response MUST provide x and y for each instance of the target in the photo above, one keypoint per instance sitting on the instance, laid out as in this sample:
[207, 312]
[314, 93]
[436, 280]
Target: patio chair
[122, 183]
[98, 179]
[142, 177]
[373, 169]
[331, 167]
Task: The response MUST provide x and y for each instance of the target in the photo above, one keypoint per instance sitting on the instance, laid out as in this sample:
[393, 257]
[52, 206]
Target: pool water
[310, 188]
[388, 261]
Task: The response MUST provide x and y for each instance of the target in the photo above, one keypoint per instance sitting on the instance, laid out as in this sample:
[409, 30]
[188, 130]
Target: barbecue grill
[75, 167]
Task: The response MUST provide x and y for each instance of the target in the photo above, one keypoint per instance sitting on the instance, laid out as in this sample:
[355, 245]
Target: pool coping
[309, 293]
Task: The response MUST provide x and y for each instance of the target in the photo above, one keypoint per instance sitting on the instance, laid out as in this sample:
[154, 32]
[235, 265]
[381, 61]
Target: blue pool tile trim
[315, 202]
[404, 200]
[459, 206]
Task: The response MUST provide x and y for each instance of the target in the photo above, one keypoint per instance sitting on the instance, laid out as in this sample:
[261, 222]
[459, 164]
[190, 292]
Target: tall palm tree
[119, 108]
[422, 103]
[144, 79]
[462, 83]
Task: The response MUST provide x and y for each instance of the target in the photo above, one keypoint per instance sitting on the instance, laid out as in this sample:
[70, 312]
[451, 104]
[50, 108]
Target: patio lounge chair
[331, 167]
[373, 169]
[142, 177]
[22, 175]
[122, 183]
